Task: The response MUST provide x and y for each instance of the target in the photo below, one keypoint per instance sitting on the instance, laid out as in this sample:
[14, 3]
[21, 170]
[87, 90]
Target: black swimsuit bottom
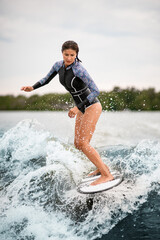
[79, 98]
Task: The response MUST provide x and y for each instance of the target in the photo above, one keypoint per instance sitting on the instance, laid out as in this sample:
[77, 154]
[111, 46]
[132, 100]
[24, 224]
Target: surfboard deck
[87, 188]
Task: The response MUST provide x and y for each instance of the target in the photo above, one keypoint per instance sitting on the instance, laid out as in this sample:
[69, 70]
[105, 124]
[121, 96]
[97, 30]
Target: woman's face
[69, 56]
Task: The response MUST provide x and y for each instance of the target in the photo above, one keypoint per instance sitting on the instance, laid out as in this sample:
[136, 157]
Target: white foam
[46, 196]
[37, 223]
[26, 140]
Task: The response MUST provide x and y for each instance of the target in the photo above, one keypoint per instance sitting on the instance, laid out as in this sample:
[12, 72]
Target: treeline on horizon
[116, 100]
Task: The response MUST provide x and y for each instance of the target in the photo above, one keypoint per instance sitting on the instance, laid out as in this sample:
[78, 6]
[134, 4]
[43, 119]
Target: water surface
[40, 169]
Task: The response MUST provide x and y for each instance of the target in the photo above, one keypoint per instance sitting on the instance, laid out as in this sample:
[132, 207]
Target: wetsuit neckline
[69, 66]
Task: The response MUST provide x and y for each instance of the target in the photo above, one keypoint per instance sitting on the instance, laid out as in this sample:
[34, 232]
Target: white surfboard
[88, 188]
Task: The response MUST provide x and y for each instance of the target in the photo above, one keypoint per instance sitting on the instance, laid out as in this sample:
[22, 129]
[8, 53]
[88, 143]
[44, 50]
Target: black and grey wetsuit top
[76, 80]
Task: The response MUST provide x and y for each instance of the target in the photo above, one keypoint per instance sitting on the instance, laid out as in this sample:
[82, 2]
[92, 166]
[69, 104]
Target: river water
[40, 169]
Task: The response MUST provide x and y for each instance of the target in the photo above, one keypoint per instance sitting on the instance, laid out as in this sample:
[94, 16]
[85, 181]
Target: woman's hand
[27, 89]
[73, 112]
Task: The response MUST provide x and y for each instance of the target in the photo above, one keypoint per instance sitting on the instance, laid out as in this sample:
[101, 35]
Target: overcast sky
[119, 41]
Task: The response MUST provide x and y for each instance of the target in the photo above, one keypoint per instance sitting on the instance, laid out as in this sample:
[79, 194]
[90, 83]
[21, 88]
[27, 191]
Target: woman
[77, 81]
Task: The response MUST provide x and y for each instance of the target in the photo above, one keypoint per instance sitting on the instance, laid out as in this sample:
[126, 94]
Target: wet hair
[71, 45]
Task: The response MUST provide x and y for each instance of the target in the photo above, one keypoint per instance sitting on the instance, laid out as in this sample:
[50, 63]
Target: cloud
[119, 40]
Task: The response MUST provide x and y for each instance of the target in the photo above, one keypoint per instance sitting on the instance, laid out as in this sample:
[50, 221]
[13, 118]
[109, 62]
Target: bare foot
[102, 179]
[94, 173]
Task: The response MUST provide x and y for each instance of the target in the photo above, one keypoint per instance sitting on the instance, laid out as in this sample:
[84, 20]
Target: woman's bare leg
[77, 128]
[85, 126]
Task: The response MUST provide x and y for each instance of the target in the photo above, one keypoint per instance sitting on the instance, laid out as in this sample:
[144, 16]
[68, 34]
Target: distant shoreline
[116, 100]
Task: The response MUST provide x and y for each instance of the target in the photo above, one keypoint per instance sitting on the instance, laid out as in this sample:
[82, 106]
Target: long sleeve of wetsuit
[82, 73]
[52, 73]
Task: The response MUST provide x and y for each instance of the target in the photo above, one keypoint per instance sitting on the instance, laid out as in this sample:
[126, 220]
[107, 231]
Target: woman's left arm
[82, 73]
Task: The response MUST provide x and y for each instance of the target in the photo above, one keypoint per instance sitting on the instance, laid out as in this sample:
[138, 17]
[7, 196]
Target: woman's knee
[81, 144]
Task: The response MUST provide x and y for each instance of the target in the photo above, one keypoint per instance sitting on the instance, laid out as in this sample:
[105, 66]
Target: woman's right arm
[52, 73]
